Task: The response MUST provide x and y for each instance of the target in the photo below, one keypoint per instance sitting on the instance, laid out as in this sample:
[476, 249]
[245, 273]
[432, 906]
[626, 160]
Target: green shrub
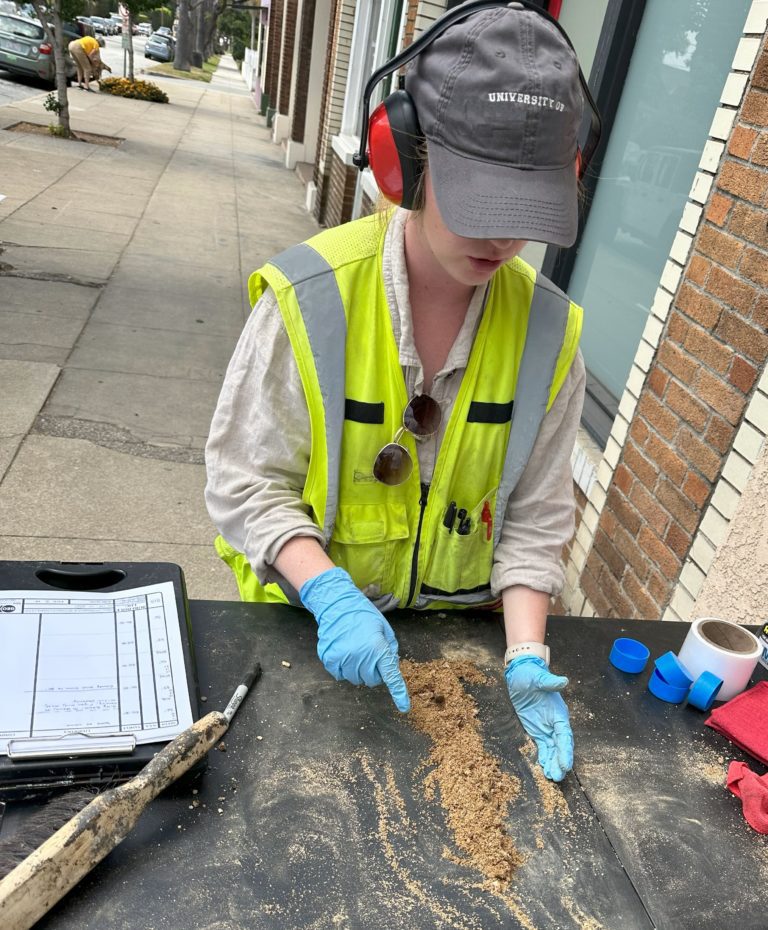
[238, 48]
[52, 105]
[139, 90]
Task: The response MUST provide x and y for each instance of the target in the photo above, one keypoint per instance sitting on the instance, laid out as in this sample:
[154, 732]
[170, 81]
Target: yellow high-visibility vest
[392, 540]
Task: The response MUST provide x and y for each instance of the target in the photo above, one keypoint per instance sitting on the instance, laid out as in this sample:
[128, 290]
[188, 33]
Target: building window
[680, 60]
[372, 43]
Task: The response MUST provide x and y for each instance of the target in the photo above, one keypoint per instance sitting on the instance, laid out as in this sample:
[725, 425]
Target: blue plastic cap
[672, 670]
[664, 691]
[629, 655]
[704, 690]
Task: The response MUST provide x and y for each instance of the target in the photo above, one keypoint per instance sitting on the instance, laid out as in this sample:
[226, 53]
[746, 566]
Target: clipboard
[42, 769]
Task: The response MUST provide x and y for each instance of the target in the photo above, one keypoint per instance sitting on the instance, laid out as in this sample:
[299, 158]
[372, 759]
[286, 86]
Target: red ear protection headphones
[391, 137]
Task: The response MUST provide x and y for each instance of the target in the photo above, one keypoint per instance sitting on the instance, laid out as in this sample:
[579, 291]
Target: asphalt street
[114, 55]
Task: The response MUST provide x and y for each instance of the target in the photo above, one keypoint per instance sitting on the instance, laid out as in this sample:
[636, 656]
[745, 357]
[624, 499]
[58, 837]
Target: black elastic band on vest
[437, 592]
[480, 412]
[361, 412]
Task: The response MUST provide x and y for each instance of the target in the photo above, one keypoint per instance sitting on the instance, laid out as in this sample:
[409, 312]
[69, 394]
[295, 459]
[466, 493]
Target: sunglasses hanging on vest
[391, 138]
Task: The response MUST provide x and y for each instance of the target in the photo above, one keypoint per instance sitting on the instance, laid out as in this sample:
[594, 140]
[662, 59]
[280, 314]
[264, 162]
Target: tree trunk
[212, 18]
[59, 58]
[197, 23]
[182, 61]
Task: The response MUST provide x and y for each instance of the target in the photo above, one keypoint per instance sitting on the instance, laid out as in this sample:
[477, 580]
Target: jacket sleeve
[257, 453]
[539, 519]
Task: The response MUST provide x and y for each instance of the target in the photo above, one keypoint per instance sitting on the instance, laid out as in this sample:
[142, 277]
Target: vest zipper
[415, 558]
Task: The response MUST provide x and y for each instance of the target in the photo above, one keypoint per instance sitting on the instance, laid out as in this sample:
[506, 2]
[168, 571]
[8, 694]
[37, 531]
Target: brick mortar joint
[716, 300]
[730, 158]
[708, 224]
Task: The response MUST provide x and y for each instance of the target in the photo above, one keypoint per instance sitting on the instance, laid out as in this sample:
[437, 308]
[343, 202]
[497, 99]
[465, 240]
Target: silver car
[160, 47]
[25, 50]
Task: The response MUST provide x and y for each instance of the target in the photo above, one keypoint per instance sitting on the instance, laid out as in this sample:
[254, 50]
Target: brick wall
[341, 192]
[410, 22]
[698, 383]
[318, 174]
[333, 102]
[304, 52]
[274, 31]
[287, 51]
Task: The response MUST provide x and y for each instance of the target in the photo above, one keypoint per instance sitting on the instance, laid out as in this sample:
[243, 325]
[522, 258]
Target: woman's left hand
[534, 692]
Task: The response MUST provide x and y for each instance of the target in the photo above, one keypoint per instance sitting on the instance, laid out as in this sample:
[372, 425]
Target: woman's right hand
[355, 642]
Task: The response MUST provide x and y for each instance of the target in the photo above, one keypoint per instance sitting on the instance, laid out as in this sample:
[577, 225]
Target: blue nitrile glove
[533, 690]
[355, 642]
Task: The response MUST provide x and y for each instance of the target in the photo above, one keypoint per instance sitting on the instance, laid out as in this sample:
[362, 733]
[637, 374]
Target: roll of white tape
[723, 648]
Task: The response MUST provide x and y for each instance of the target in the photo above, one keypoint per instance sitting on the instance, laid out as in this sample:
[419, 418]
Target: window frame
[364, 32]
[613, 55]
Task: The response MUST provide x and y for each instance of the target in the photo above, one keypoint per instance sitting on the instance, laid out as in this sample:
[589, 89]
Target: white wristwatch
[526, 649]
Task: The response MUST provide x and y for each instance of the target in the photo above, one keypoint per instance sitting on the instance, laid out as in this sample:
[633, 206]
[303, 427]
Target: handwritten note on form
[92, 664]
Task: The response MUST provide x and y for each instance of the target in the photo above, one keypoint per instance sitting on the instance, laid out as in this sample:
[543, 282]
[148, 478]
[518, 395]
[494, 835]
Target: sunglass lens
[422, 416]
[393, 465]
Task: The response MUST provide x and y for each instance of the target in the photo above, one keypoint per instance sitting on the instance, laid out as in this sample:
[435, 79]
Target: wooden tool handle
[45, 876]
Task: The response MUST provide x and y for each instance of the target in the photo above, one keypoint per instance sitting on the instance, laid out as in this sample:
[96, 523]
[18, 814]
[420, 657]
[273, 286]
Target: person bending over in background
[396, 424]
[86, 55]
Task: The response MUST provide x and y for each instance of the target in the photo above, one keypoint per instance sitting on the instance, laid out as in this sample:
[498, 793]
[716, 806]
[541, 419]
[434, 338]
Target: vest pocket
[364, 541]
[461, 565]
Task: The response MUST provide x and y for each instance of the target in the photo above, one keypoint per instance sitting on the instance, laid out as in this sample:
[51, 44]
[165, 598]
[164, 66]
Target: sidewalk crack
[116, 438]
[8, 271]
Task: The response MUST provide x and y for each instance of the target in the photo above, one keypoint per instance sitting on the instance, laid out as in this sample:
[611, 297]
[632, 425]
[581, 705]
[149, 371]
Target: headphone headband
[360, 158]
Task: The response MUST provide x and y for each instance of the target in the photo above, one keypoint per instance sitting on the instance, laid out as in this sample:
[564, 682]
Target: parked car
[100, 25]
[144, 29]
[117, 22]
[84, 27]
[25, 50]
[159, 48]
[164, 31]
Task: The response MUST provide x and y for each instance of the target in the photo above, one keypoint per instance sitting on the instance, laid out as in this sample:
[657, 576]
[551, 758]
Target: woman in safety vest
[396, 424]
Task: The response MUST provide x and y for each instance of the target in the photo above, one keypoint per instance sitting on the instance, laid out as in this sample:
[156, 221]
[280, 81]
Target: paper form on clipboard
[81, 665]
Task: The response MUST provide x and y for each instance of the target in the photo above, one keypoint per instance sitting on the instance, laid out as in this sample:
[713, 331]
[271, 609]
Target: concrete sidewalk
[122, 292]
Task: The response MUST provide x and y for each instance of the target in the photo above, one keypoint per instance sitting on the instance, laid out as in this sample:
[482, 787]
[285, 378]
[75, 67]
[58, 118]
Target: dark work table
[323, 823]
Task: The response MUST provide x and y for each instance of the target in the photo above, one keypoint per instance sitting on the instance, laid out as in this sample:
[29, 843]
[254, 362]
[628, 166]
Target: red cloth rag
[744, 720]
[753, 791]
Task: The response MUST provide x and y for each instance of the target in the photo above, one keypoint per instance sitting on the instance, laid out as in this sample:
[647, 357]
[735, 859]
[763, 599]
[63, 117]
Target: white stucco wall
[735, 586]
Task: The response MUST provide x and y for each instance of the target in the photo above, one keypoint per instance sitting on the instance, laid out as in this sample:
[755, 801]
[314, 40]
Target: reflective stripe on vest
[546, 330]
[322, 310]
[317, 294]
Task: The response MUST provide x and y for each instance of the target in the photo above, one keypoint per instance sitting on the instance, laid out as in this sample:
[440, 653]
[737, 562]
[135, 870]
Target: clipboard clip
[70, 746]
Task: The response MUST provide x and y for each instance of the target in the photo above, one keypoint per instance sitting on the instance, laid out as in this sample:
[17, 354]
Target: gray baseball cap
[500, 103]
